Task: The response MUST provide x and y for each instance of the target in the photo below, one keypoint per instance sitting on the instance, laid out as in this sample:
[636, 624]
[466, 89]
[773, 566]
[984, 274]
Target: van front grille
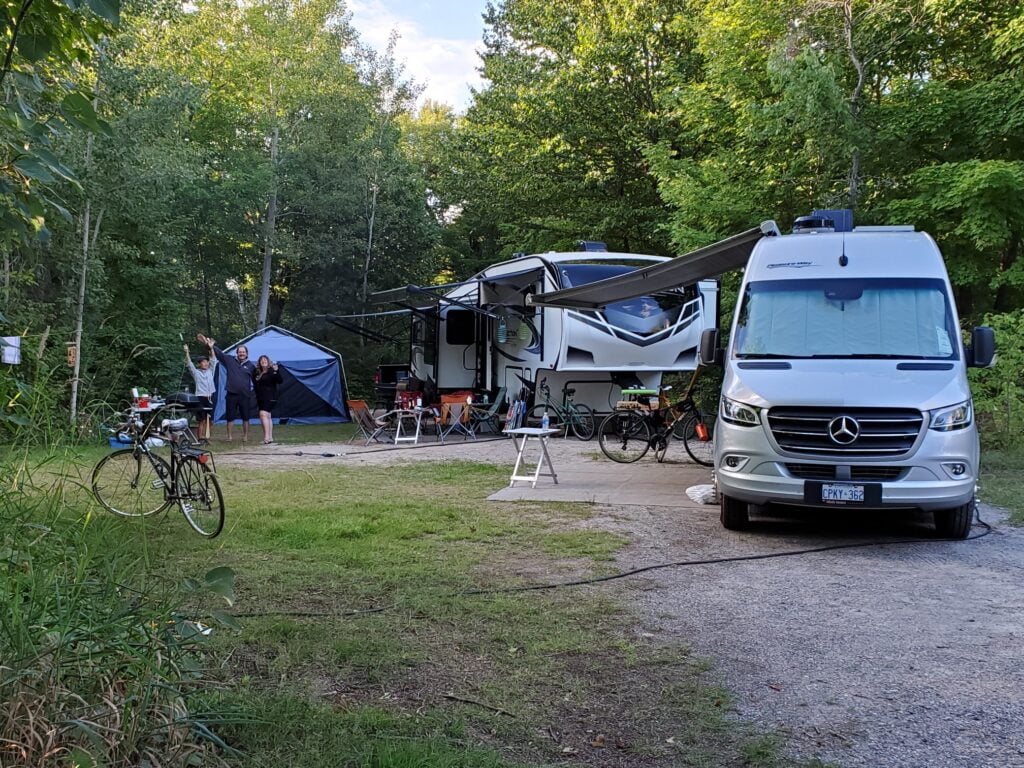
[812, 471]
[875, 473]
[857, 472]
[878, 431]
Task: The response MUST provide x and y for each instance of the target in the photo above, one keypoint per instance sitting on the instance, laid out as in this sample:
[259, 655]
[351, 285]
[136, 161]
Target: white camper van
[484, 334]
[846, 377]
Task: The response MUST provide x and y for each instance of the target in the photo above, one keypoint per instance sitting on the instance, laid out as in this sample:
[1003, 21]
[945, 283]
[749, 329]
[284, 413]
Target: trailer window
[460, 327]
[642, 315]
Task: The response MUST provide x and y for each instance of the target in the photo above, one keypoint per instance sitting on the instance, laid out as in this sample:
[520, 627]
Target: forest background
[214, 166]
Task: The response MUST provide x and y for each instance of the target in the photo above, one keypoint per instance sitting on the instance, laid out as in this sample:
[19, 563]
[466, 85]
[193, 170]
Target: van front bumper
[924, 482]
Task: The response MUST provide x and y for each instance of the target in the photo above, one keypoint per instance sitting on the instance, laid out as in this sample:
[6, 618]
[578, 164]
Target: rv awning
[421, 295]
[427, 298]
[508, 290]
[709, 261]
[517, 280]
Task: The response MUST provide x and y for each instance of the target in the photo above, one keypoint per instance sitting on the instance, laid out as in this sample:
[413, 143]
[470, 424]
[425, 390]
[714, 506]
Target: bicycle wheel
[535, 414]
[701, 450]
[199, 497]
[683, 423]
[131, 483]
[624, 436]
[581, 421]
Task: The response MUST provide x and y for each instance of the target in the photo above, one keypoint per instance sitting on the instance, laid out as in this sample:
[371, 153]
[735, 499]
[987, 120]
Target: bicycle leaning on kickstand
[637, 425]
[137, 482]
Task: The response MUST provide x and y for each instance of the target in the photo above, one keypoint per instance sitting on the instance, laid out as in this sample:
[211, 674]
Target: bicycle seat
[570, 392]
[174, 425]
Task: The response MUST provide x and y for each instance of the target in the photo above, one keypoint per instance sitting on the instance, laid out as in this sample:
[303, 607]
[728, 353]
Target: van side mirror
[709, 353]
[982, 352]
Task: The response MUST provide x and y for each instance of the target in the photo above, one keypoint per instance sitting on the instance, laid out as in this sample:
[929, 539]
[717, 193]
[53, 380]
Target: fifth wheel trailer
[483, 334]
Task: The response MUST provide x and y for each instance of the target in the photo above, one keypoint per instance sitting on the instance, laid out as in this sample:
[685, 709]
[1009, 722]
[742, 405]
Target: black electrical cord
[986, 530]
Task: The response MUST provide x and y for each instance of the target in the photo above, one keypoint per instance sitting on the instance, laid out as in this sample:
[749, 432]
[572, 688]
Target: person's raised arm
[218, 352]
[188, 360]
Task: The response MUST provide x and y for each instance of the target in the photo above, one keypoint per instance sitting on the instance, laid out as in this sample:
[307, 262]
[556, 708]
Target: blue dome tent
[313, 387]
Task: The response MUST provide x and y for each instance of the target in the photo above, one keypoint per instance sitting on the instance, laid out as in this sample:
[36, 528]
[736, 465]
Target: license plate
[836, 493]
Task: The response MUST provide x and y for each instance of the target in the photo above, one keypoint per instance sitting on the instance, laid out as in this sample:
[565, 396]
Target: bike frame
[668, 413]
[142, 430]
[566, 411]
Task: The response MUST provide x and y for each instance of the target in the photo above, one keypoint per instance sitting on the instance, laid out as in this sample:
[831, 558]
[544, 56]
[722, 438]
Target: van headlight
[740, 414]
[954, 417]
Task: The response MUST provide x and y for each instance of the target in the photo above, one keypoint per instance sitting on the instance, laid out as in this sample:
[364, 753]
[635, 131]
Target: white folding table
[403, 433]
[541, 435]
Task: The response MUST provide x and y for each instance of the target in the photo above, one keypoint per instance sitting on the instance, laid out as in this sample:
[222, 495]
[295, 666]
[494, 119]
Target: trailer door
[458, 349]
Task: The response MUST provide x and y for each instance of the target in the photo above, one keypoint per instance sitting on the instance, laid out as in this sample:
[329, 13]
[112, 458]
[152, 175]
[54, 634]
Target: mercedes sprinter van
[846, 377]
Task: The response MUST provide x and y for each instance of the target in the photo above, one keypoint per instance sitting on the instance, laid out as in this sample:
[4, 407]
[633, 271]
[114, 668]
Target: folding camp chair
[480, 417]
[370, 428]
[455, 417]
[516, 415]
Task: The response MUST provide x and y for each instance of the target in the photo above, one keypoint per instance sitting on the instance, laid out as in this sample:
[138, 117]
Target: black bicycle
[638, 425]
[137, 482]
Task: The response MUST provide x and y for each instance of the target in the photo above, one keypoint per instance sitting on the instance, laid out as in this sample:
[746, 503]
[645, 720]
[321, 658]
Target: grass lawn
[1002, 481]
[356, 650]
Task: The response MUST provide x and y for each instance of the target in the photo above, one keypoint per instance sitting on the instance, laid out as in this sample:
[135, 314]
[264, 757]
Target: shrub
[999, 391]
[98, 665]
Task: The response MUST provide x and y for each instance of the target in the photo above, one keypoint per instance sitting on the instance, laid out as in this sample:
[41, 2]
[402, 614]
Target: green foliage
[734, 111]
[100, 664]
[999, 391]
[47, 43]
[1000, 479]
[552, 151]
[165, 138]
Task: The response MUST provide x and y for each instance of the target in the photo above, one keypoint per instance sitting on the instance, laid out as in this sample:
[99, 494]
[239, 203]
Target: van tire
[954, 523]
[735, 514]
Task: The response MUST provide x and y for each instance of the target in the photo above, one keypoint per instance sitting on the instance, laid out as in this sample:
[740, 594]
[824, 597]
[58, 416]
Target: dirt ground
[894, 655]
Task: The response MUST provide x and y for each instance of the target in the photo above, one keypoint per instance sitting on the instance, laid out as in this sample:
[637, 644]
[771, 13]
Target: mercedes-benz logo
[843, 430]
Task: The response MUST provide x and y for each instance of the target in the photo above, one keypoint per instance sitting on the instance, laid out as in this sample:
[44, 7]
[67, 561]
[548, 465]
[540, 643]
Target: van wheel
[735, 513]
[954, 523]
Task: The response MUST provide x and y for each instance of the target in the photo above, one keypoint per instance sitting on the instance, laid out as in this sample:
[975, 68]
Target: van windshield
[905, 318]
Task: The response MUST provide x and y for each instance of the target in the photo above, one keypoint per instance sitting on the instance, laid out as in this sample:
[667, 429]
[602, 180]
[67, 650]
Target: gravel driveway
[904, 655]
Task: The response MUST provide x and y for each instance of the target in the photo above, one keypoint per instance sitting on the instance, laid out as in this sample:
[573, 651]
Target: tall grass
[98, 663]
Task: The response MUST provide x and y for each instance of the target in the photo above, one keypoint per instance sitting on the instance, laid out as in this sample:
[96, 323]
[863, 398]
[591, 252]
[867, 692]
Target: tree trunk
[83, 273]
[80, 312]
[206, 294]
[240, 293]
[88, 245]
[374, 189]
[268, 235]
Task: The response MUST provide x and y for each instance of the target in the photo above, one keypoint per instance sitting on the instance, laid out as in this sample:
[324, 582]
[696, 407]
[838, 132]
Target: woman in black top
[266, 379]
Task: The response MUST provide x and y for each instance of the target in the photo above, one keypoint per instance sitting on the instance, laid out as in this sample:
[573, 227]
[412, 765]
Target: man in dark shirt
[238, 403]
